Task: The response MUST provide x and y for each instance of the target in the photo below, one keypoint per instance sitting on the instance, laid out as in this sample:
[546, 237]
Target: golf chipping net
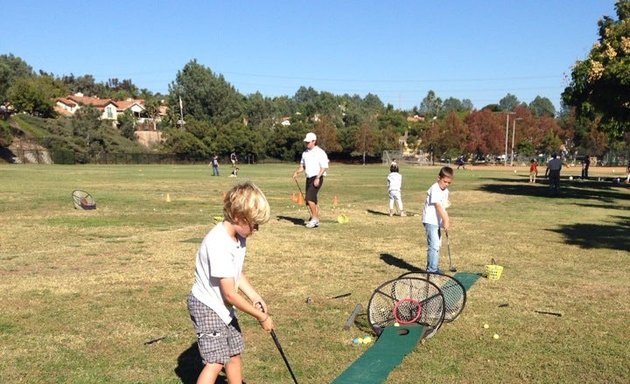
[407, 300]
[453, 291]
[83, 200]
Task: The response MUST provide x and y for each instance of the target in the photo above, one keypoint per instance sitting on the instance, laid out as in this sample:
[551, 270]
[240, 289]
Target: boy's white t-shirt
[435, 194]
[394, 181]
[219, 256]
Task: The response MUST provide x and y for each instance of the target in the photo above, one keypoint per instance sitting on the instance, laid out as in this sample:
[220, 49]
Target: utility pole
[513, 130]
[507, 130]
[181, 113]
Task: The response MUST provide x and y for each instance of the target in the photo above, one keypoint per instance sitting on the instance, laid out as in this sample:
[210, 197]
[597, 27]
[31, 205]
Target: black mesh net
[415, 300]
[453, 291]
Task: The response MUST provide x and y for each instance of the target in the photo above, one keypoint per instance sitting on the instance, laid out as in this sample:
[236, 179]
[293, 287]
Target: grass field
[83, 293]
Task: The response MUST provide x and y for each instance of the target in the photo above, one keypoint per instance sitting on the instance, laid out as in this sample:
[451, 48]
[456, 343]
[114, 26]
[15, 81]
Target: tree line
[208, 116]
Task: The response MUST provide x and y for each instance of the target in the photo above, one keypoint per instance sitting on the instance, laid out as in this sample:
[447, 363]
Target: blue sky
[399, 50]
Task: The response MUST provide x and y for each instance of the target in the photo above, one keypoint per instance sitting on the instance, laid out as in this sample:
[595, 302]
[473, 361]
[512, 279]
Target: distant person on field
[461, 162]
[435, 217]
[585, 164]
[314, 164]
[215, 165]
[533, 170]
[233, 159]
[394, 187]
[553, 173]
[234, 172]
[220, 285]
[628, 170]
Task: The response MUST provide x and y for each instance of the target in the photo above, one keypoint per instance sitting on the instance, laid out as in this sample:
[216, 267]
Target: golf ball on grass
[496, 336]
[367, 340]
[486, 326]
[342, 219]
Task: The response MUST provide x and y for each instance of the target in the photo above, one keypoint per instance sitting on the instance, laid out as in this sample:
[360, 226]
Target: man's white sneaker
[312, 224]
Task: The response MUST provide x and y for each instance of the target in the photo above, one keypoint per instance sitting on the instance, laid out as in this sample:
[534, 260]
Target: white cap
[310, 137]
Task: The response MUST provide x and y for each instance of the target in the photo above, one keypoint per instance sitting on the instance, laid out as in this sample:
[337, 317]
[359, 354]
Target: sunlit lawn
[99, 296]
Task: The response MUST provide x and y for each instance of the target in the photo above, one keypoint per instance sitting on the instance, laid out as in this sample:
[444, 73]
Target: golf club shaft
[277, 342]
[300, 189]
[448, 245]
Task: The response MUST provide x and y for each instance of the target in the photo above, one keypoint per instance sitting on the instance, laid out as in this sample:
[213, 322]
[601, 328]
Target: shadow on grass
[189, 366]
[294, 220]
[373, 212]
[193, 240]
[398, 262]
[593, 193]
[612, 236]
[574, 189]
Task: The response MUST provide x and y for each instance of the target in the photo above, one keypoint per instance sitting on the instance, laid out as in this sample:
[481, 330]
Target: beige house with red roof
[67, 106]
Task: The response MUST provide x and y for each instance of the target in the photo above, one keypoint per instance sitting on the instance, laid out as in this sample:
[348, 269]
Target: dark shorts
[217, 341]
[311, 190]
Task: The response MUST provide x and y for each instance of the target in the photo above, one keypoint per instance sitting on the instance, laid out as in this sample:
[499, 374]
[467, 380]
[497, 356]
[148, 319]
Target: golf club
[448, 244]
[300, 189]
[277, 342]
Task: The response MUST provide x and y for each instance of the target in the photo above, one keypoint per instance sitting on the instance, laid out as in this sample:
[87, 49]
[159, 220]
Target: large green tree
[205, 95]
[541, 106]
[35, 95]
[600, 84]
[11, 69]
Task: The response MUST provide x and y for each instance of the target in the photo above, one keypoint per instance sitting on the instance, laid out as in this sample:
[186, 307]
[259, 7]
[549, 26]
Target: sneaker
[403, 214]
[312, 224]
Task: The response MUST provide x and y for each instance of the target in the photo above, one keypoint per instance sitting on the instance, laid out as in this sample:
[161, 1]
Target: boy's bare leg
[234, 370]
[209, 373]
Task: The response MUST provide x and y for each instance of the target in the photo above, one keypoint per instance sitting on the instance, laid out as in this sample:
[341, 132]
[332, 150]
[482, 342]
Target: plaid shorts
[217, 341]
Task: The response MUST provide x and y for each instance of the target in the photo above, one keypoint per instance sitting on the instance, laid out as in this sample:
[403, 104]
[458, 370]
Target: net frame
[453, 290]
[385, 298]
[83, 200]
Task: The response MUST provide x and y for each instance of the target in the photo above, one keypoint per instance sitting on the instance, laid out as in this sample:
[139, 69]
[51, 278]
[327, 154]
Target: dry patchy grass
[83, 291]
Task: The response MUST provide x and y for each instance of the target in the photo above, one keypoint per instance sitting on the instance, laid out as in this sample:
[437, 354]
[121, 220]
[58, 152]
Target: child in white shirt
[394, 186]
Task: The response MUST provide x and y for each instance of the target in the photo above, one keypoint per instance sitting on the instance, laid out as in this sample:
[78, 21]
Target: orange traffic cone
[294, 197]
[300, 199]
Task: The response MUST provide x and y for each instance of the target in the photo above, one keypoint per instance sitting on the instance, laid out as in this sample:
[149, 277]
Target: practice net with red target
[453, 291]
[407, 300]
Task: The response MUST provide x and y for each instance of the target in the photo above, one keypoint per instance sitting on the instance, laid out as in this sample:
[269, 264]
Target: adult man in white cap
[314, 164]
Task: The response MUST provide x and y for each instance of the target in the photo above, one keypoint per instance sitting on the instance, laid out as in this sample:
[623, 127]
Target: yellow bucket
[493, 271]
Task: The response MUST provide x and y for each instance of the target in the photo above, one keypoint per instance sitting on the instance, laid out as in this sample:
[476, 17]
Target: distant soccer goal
[419, 158]
[389, 156]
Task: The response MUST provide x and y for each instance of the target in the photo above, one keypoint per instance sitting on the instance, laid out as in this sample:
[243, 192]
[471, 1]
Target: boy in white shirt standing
[394, 187]
[435, 217]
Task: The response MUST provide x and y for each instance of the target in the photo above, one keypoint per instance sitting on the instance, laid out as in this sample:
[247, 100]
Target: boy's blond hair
[246, 202]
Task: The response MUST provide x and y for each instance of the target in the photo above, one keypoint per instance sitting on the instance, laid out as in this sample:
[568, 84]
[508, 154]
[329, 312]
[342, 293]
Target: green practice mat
[467, 279]
[390, 349]
[376, 363]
